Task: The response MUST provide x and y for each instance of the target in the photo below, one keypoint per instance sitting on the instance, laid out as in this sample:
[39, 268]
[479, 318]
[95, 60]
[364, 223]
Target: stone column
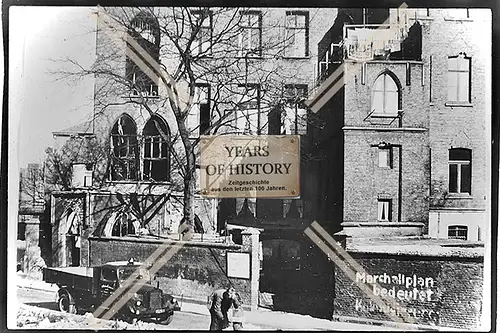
[32, 258]
[250, 238]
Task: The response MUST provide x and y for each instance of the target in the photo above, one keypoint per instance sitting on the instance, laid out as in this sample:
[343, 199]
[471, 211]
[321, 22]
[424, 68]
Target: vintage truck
[87, 288]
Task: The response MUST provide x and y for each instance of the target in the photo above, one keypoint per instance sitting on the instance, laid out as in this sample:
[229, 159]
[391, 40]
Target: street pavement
[196, 317]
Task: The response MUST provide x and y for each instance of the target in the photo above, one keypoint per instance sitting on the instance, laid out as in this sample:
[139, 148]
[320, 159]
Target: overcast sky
[39, 99]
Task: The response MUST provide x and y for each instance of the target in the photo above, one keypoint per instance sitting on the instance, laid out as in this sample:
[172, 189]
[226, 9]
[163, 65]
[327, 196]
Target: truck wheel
[65, 304]
[167, 320]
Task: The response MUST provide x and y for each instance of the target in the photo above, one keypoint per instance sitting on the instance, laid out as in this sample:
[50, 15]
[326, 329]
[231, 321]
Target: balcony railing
[364, 42]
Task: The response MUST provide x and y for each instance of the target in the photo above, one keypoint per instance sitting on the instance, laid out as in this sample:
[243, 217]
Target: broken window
[123, 226]
[385, 96]
[144, 29]
[124, 150]
[156, 150]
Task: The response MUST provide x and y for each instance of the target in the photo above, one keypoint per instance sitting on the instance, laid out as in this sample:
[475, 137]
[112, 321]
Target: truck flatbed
[82, 271]
[73, 277]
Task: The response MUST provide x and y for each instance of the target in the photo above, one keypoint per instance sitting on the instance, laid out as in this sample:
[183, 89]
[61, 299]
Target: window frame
[459, 163]
[131, 159]
[381, 203]
[456, 229]
[387, 159]
[198, 130]
[163, 154]
[294, 106]
[384, 92]
[243, 108]
[153, 48]
[295, 30]
[255, 52]
[123, 221]
[457, 72]
[210, 27]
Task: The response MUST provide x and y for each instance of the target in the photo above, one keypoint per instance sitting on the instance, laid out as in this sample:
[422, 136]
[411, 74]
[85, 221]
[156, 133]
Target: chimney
[82, 175]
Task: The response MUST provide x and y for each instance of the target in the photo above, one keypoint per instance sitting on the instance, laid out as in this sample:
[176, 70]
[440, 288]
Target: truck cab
[89, 288]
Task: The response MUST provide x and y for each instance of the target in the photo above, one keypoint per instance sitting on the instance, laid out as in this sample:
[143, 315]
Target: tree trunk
[187, 227]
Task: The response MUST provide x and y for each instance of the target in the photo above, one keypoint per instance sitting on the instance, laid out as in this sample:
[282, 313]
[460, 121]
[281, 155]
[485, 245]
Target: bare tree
[32, 187]
[86, 150]
[171, 54]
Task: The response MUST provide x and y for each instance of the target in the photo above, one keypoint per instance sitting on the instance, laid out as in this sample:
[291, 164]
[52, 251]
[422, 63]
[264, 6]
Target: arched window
[156, 150]
[385, 96]
[124, 150]
[145, 30]
[123, 226]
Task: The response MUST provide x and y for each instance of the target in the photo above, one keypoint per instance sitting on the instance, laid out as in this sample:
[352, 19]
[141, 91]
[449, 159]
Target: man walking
[219, 304]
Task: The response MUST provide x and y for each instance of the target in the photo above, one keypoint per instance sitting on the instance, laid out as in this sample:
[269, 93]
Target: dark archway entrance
[296, 276]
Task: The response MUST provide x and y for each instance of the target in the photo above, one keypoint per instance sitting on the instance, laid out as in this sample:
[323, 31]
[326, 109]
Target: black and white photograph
[252, 168]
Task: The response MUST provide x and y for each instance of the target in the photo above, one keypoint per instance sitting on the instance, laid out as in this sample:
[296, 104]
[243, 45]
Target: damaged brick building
[393, 143]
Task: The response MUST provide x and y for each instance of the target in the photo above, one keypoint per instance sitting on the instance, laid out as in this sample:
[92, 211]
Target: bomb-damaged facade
[387, 154]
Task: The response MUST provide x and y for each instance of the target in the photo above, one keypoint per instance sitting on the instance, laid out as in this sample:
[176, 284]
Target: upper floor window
[459, 68]
[202, 27]
[385, 157]
[198, 121]
[294, 116]
[250, 36]
[249, 118]
[297, 34]
[156, 165]
[385, 96]
[145, 30]
[460, 161]
[124, 150]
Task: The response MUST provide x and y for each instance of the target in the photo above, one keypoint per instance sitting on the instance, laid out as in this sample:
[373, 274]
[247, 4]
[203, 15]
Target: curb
[382, 323]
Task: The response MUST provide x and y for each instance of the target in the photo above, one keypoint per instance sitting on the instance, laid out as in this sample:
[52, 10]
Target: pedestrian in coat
[219, 304]
[238, 314]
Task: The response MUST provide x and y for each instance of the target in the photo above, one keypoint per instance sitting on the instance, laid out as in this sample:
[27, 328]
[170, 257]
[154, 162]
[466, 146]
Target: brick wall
[449, 291]
[463, 126]
[193, 271]
[358, 93]
[406, 183]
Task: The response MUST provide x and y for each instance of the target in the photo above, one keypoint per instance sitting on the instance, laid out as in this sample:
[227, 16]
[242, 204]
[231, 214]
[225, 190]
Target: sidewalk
[262, 319]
